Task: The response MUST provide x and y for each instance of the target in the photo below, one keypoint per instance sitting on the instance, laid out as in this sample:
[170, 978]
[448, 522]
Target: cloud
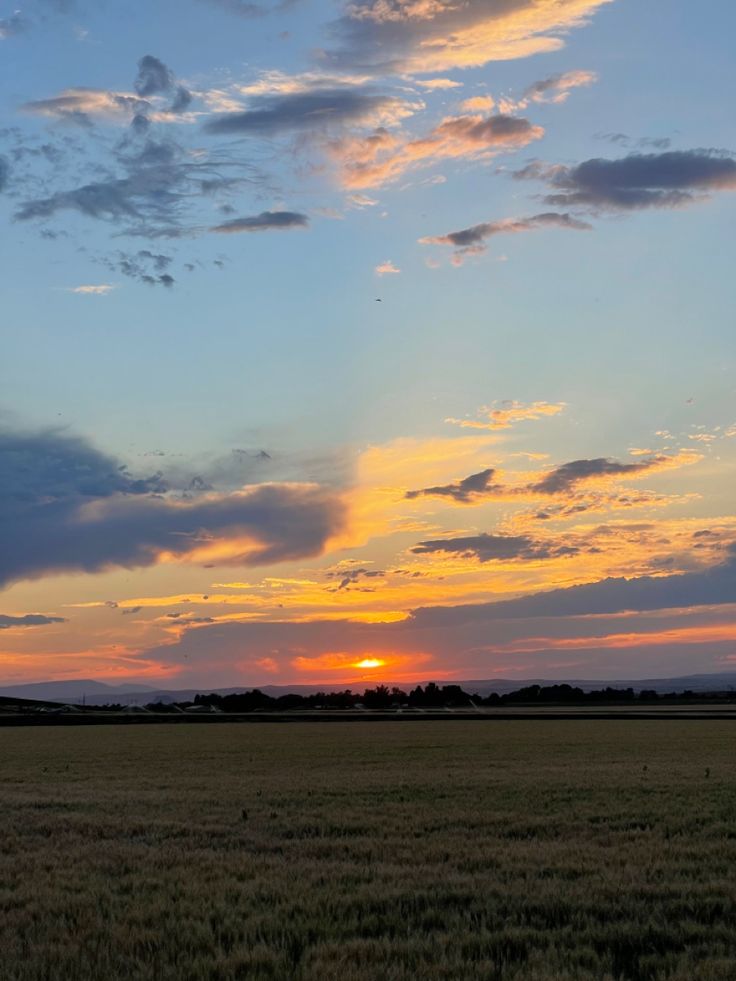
[382, 157]
[67, 507]
[556, 88]
[622, 139]
[153, 77]
[144, 266]
[351, 576]
[488, 548]
[387, 268]
[471, 241]
[464, 491]
[29, 620]
[712, 586]
[421, 36]
[478, 103]
[265, 221]
[4, 173]
[100, 289]
[156, 78]
[149, 184]
[311, 110]
[651, 180]
[114, 199]
[79, 105]
[567, 477]
[438, 84]
[160, 184]
[503, 415]
[82, 105]
[244, 8]
[466, 640]
[563, 480]
[362, 201]
[13, 25]
[18, 23]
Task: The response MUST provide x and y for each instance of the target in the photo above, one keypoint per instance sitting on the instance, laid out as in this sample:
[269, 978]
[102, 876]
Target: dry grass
[452, 850]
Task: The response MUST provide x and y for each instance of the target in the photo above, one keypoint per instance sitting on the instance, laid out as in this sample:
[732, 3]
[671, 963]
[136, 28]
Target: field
[453, 850]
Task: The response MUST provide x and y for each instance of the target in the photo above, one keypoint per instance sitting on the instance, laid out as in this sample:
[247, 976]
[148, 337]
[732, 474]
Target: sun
[370, 662]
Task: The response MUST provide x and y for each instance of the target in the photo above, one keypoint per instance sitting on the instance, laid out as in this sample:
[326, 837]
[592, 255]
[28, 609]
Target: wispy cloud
[383, 157]
[557, 88]
[265, 221]
[313, 109]
[387, 268]
[503, 415]
[100, 289]
[421, 36]
[471, 241]
[28, 620]
[488, 548]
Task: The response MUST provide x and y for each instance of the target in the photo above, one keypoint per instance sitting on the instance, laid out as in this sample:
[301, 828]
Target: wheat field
[369, 852]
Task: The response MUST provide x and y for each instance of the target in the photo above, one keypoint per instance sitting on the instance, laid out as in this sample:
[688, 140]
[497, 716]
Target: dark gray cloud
[623, 139]
[713, 586]
[263, 222]
[4, 173]
[471, 240]
[182, 100]
[156, 78]
[243, 8]
[160, 185]
[487, 548]
[565, 478]
[562, 480]
[29, 620]
[350, 577]
[153, 77]
[127, 197]
[468, 489]
[651, 180]
[144, 266]
[66, 506]
[316, 110]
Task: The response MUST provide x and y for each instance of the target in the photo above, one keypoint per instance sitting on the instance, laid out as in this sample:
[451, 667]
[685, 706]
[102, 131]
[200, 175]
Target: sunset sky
[356, 341]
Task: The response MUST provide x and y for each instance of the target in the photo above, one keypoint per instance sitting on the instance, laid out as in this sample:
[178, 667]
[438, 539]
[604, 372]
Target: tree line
[429, 696]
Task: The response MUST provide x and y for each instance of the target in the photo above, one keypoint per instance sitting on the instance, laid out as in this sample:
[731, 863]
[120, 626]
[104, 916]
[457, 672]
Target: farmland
[442, 850]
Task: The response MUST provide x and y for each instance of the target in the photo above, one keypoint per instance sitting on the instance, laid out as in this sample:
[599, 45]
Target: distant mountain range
[100, 693]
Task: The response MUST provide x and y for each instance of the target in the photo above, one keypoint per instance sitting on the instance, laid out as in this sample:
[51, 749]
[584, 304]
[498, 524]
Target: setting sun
[370, 662]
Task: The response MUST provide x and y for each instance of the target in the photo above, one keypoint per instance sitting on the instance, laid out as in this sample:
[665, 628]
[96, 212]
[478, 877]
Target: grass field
[539, 850]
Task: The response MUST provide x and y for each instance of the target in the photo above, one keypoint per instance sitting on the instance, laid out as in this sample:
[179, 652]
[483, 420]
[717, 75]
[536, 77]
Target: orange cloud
[418, 36]
[478, 103]
[700, 634]
[435, 84]
[371, 161]
[387, 268]
[503, 415]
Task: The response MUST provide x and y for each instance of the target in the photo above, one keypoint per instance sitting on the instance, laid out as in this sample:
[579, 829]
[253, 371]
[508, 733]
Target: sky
[379, 340]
